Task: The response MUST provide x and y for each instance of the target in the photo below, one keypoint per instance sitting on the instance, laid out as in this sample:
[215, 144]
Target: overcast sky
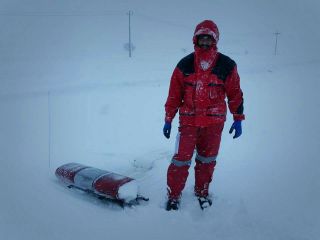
[44, 39]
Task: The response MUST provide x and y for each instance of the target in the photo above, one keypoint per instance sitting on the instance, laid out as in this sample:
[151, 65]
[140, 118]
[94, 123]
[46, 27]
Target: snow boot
[172, 204]
[204, 202]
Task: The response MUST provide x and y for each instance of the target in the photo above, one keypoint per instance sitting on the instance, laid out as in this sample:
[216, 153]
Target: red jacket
[199, 92]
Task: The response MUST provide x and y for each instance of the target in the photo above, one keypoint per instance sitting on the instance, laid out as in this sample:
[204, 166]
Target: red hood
[206, 27]
[206, 58]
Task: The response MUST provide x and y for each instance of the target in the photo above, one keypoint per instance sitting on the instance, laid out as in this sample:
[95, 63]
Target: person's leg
[178, 169]
[207, 151]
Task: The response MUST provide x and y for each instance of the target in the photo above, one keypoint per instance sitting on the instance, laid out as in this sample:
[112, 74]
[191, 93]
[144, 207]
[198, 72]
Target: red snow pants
[206, 140]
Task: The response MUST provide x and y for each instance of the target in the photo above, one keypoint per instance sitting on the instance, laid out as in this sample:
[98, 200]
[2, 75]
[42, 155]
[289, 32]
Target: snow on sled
[120, 189]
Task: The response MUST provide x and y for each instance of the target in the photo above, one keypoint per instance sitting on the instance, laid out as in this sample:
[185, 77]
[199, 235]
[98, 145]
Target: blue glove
[236, 126]
[167, 129]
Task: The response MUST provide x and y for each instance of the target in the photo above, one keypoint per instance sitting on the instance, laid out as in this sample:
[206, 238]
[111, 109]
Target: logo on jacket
[199, 86]
[205, 65]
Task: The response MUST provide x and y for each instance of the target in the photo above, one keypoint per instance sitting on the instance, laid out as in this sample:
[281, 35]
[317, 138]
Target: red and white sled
[104, 184]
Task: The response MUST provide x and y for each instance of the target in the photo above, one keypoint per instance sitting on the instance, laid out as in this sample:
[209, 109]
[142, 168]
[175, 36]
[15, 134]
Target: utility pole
[130, 44]
[276, 44]
[49, 130]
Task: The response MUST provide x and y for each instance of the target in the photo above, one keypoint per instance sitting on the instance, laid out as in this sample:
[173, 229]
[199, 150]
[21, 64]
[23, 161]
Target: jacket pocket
[217, 110]
[216, 92]
[188, 94]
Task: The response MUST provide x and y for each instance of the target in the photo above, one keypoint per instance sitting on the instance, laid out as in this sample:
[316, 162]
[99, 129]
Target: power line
[60, 13]
[165, 22]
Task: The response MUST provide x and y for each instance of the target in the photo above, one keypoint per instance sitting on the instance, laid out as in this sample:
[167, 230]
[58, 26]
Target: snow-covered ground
[69, 93]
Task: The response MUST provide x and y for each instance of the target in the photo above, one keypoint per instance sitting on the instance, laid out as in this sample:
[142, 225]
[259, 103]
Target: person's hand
[167, 129]
[237, 127]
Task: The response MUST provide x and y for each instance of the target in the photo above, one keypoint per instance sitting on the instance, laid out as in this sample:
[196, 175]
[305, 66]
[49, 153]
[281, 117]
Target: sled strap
[206, 159]
[180, 163]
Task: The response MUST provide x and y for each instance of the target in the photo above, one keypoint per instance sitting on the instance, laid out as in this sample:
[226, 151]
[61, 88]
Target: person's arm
[175, 95]
[235, 95]
[174, 100]
[235, 101]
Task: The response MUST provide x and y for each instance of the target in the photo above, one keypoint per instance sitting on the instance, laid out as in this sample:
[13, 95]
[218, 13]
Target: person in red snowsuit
[199, 86]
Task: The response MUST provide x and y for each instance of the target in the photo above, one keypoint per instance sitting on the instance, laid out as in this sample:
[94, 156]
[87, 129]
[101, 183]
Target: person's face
[205, 41]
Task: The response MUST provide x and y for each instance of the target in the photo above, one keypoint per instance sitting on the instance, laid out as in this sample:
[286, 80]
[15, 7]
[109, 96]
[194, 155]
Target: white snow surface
[69, 93]
[128, 191]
